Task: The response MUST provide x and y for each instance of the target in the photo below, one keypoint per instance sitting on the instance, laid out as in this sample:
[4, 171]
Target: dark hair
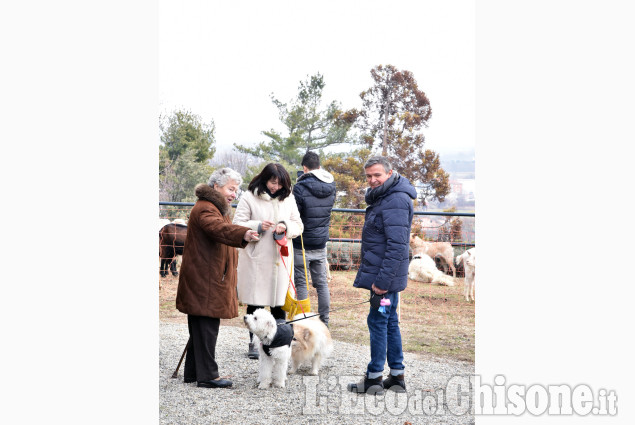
[311, 160]
[272, 170]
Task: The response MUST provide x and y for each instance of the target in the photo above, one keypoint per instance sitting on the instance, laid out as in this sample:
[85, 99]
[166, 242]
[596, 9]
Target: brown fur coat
[207, 281]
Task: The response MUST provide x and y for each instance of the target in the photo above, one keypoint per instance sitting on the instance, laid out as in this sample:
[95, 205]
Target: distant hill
[455, 155]
[460, 165]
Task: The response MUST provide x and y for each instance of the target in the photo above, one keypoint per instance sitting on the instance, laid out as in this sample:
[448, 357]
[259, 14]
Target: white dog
[469, 263]
[274, 345]
[311, 343]
[423, 269]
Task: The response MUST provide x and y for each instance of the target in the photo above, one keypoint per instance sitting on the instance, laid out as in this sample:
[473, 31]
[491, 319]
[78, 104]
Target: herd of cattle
[431, 261]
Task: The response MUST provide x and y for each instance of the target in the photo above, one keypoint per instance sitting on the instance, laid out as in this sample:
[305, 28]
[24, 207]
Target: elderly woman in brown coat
[207, 282]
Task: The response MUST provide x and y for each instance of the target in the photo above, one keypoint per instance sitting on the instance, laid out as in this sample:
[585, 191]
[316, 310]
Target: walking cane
[182, 355]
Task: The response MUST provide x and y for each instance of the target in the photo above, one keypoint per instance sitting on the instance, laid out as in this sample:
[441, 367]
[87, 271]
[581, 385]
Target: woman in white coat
[267, 207]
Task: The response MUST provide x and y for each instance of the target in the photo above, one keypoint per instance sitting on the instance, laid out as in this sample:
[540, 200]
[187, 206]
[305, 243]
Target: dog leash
[317, 314]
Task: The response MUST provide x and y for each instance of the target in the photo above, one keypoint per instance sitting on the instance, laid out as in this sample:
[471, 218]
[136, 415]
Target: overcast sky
[222, 60]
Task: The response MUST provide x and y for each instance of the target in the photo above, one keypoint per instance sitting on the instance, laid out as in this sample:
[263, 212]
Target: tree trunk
[384, 149]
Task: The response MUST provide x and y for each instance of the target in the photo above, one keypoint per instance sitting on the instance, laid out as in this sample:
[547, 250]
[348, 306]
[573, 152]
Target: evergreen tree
[183, 130]
[309, 126]
[187, 144]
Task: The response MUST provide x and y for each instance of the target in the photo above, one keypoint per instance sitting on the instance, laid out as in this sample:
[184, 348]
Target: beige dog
[433, 249]
[312, 343]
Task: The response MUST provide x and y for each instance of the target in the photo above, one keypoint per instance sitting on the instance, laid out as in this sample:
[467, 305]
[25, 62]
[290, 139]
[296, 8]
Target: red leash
[291, 282]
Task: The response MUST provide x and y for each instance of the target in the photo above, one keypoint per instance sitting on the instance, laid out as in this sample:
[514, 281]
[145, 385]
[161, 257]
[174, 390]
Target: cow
[171, 243]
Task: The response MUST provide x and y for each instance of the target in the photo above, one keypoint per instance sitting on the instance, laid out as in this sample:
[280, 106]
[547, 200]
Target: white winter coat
[262, 277]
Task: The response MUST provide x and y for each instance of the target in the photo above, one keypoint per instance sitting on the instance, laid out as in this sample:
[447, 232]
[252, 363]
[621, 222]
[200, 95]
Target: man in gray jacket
[314, 193]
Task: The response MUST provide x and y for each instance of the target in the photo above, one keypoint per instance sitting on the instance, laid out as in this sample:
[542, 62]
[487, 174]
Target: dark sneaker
[253, 351]
[395, 383]
[368, 386]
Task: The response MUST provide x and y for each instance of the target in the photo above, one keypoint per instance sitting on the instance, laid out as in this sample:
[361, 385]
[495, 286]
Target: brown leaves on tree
[394, 113]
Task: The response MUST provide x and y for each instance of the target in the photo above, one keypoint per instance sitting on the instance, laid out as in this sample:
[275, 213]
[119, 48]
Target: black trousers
[276, 312]
[200, 360]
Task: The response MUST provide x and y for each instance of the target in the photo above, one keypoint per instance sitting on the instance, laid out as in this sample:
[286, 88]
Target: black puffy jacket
[315, 195]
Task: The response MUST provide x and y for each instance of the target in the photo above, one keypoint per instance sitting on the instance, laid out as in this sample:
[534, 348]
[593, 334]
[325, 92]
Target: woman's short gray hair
[378, 160]
[223, 176]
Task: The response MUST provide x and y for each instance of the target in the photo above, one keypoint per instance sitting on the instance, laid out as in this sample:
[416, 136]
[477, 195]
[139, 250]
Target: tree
[431, 180]
[350, 180]
[309, 126]
[237, 161]
[183, 130]
[452, 228]
[393, 114]
[180, 177]
[187, 144]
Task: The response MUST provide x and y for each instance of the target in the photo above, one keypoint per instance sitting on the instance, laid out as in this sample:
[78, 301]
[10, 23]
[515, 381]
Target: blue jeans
[385, 339]
[316, 268]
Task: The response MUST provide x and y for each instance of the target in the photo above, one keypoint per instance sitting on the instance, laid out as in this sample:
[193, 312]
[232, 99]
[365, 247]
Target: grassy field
[435, 319]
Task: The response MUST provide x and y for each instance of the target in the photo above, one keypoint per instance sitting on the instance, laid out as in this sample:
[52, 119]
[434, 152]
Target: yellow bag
[291, 305]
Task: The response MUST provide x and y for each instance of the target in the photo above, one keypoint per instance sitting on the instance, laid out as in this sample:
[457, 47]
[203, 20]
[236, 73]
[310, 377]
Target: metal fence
[343, 248]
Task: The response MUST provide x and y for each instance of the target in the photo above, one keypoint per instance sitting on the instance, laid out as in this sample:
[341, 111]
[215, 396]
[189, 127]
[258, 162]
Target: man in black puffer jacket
[314, 193]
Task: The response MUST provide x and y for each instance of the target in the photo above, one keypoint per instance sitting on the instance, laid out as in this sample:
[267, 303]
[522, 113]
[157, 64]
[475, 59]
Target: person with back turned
[314, 193]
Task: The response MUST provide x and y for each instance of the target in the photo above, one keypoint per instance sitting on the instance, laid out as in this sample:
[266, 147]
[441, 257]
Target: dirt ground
[435, 320]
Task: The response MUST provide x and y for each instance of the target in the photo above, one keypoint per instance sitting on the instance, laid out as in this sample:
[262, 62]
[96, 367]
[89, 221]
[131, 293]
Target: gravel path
[299, 402]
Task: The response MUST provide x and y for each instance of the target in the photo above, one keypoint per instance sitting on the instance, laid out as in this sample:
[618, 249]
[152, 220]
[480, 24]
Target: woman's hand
[281, 228]
[266, 224]
[251, 235]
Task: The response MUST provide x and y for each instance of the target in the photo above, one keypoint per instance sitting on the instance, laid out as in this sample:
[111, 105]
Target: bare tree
[237, 161]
